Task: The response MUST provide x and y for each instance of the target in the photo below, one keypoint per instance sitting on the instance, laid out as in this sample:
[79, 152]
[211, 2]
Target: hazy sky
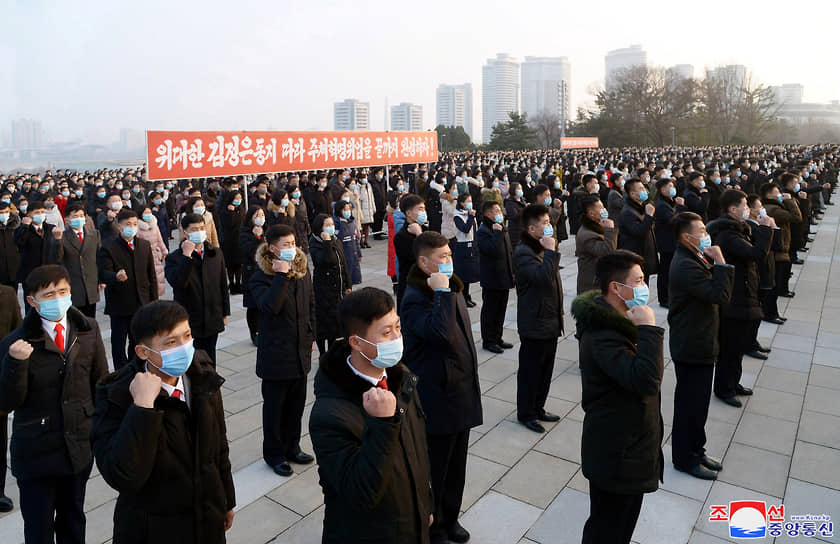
[86, 69]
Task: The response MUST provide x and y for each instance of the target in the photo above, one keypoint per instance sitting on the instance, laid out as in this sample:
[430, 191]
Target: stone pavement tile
[568, 349]
[505, 390]
[475, 436]
[777, 404]
[302, 494]
[579, 482]
[825, 376]
[799, 328]
[563, 440]
[755, 469]
[791, 360]
[244, 422]
[260, 521]
[719, 411]
[306, 531]
[793, 342]
[241, 380]
[826, 356]
[566, 386]
[577, 412]
[681, 483]
[702, 538]
[241, 348]
[718, 436]
[506, 443]
[97, 493]
[816, 464]
[245, 449]
[498, 519]
[563, 520]
[666, 517]
[11, 526]
[481, 476]
[536, 479]
[829, 339]
[494, 411]
[99, 523]
[805, 498]
[243, 363]
[244, 398]
[773, 434]
[802, 313]
[496, 369]
[819, 428]
[780, 379]
[256, 480]
[822, 399]
[724, 493]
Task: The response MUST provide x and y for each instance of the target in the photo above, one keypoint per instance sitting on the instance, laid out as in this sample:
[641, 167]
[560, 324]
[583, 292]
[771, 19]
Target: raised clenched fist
[281, 266]
[58, 234]
[548, 242]
[122, 276]
[641, 315]
[20, 349]
[379, 402]
[144, 389]
[415, 229]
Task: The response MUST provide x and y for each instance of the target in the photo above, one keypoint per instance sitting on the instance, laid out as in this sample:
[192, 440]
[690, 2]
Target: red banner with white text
[578, 143]
[200, 154]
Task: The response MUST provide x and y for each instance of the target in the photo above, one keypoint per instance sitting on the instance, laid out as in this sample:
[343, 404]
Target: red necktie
[200, 253]
[382, 384]
[81, 237]
[176, 394]
[131, 245]
[59, 337]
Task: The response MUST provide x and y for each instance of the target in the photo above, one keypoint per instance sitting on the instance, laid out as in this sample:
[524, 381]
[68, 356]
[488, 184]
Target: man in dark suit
[127, 269]
[496, 268]
[49, 369]
[439, 348]
[76, 248]
[30, 238]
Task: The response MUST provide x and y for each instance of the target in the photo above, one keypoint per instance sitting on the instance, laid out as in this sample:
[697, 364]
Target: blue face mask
[197, 237]
[499, 218]
[779, 198]
[346, 214]
[175, 361]
[605, 214]
[288, 254]
[296, 194]
[129, 232]
[388, 353]
[468, 206]
[39, 218]
[77, 223]
[330, 230]
[547, 201]
[717, 181]
[446, 269]
[519, 193]
[705, 242]
[672, 192]
[643, 196]
[640, 296]
[284, 202]
[54, 309]
[548, 231]
[796, 188]
[422, 218]
[147, 217]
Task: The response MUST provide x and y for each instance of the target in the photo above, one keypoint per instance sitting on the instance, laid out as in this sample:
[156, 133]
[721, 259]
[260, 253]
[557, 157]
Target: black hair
[588, 202]
[410, 201]
[278, 231]
[767, 188]
[188, 207]
[249, 215]
[360, 308]
[158, 317]
[694, 175]
[682, 222]
[318, 223]
[191, 219]
[74, 207]
[630, 185]
[614, 266]
[462, 197]
[35, 205]
[752, 198]
[428, 241]
[540, 189]
[731, 197]
[532, 214]
[125, 214]
[487, 204]
[44, 276]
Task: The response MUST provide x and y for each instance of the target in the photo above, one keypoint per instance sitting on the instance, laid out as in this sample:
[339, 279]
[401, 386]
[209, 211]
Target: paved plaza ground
[523, 487]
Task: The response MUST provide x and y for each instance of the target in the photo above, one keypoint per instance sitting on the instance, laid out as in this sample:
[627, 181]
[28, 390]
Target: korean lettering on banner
[210, 154]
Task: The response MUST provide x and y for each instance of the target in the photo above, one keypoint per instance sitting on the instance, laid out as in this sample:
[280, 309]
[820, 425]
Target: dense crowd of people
[397, 389]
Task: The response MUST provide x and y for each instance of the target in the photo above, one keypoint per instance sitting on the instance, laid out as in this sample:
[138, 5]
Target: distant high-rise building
[732, 77]
[131, 139]
[407, 116]
[351, 115]
[681, 71]
[499, 93]
[455, 107]
[621, 59]
[546, 86]
[27, 134]
[789, 93]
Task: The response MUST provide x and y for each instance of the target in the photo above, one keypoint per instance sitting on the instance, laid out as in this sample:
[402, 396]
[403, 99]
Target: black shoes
[458, 534]
[505, 345]
[533, 425]
[743, 391]
[699, 471]
[470, 303]
[380, 236]
[758, 347]
[711, 464]
[6, 504]
[755, 354]
[283, 468]
[303, 458]
[732, 401]
[797, 261]
[548, 417]
[789, 294]
[774, 320]
[493, 348]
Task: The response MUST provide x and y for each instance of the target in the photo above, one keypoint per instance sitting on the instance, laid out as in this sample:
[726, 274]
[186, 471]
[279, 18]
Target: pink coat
[151, 233]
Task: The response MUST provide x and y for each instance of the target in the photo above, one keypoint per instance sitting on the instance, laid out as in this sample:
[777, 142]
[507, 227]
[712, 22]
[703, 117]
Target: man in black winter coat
[496, 269]
[32, 237]
[700, 281]
[127, 268]
[439, 348]
[196, 272]
[539, 315]
[621, 367]
[282, 289]
[49, 370]
[744, 247]
[9, 252]
[368, 431]
[159, 437]
[416, 222]
[635, 226]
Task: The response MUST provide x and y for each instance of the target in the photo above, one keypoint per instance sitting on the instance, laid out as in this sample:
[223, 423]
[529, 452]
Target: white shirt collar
[365, 377]
[49, 328]
[182, 385]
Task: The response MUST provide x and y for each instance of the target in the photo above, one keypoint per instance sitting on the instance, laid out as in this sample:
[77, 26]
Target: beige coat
[151, 233]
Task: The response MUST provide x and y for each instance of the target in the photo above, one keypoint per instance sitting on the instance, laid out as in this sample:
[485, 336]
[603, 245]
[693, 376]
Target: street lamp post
[673, 137]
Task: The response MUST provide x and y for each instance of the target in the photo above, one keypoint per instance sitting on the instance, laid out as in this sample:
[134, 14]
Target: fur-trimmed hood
[33, 328]
[592, 312]
[417, 278]
[264, 258]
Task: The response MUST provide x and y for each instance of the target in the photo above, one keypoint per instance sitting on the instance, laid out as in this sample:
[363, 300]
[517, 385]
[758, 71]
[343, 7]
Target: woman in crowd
[348, 233]
[147, 229]
[250, 237]
[465, 254]
[331, 280]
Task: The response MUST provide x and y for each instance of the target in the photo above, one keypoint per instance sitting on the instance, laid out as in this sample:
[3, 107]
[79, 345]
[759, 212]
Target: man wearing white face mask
[368, 430]
[49, 369]
[699, 282]
[196, 272]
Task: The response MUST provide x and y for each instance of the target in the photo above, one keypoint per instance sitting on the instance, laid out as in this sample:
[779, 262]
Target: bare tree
[547, 128]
